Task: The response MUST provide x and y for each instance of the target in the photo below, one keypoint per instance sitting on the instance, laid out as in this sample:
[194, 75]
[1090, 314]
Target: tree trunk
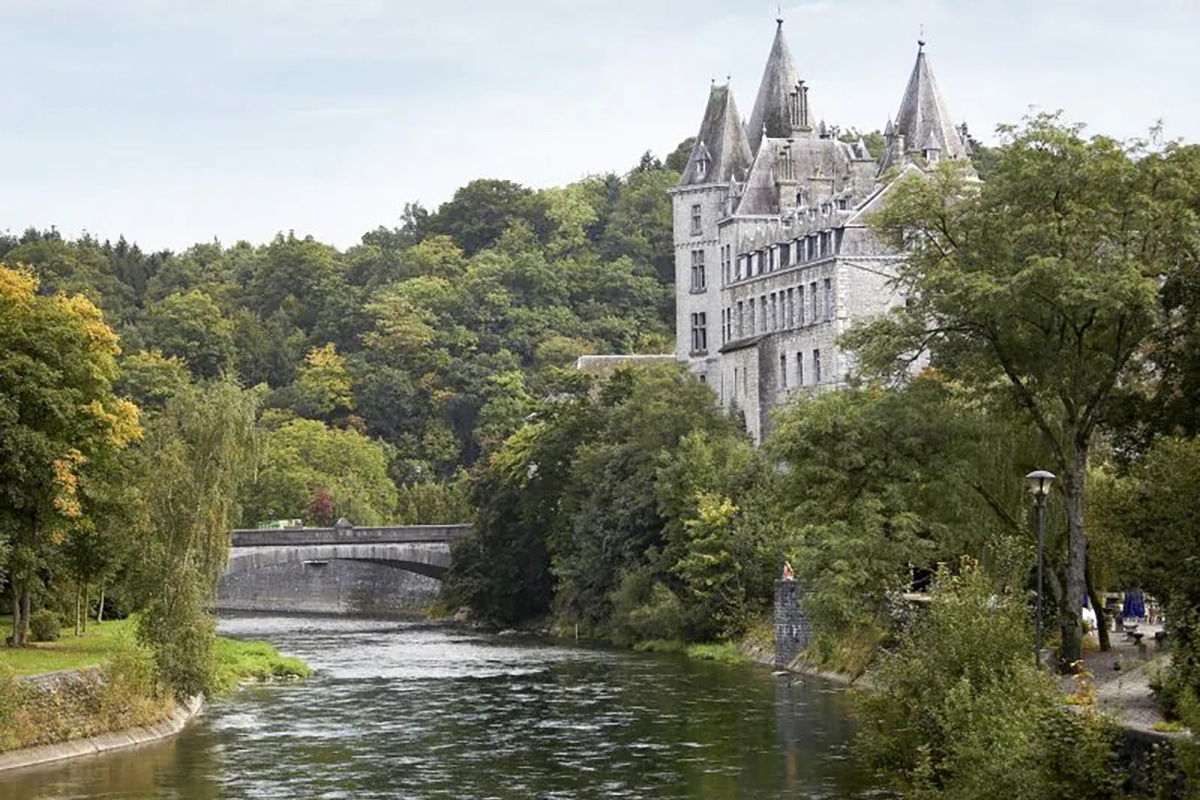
[77, 607]
[100, 607]
[15, 639]
[1072, 626]
[1101, 620]
[87, 604]
[26, 601]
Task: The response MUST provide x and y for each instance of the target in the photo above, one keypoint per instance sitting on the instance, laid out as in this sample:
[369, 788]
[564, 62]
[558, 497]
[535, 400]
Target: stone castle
[773, 258]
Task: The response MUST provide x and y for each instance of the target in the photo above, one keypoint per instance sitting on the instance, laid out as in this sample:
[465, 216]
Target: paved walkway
[1121, 679]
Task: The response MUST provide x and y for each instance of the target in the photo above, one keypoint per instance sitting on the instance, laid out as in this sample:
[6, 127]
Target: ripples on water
[409, 710]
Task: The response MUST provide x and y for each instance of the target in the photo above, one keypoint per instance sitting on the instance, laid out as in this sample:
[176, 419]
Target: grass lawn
[69, 652]
[236, 661]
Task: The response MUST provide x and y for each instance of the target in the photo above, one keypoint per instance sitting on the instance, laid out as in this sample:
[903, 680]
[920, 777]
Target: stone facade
[328, 587]
[793, 628]
[774, 259]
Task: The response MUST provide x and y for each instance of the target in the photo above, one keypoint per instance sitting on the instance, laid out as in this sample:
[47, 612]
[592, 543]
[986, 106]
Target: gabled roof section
[760, 195]
[924, 120]
[721, 152]
[874, 201]
[771, 105]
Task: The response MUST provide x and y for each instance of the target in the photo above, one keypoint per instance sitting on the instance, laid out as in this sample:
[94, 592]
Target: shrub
[131, 694]
[645, 609]
[959, 709]
[44, 626]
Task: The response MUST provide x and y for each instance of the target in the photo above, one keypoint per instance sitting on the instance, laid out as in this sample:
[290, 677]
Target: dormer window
[703, 161]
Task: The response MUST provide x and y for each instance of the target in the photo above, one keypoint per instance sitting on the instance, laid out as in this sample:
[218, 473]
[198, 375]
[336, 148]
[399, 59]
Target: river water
[411, 710]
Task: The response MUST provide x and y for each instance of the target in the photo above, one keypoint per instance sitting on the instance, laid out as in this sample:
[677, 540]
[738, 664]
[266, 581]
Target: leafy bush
[645, 609]
[961, 711]
[44, 626]
[131, 695]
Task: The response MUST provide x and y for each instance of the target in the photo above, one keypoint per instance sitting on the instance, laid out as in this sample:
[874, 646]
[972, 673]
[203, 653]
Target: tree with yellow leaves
[58, 414]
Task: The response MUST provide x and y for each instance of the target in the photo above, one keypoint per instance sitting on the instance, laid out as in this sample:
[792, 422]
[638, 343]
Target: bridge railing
[277, 537]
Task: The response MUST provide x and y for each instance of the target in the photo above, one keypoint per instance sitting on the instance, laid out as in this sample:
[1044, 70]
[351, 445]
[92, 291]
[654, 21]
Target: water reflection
[404, 710]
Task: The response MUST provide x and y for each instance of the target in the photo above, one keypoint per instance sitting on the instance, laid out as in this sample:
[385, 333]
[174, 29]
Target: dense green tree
[190, 326]
[150, 379]
[304, 458]
[1039, 285]
[482, 210]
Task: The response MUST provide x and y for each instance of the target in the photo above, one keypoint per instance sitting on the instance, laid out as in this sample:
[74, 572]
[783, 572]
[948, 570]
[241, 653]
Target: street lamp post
[1039, 486]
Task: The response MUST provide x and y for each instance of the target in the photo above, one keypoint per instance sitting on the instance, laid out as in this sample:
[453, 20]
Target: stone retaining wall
[105, 742]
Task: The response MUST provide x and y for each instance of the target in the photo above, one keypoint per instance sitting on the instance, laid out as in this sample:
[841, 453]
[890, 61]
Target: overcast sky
[174, 121]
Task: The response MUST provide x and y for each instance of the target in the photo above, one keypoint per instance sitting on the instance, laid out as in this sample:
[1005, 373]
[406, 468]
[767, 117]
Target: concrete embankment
[103, 743]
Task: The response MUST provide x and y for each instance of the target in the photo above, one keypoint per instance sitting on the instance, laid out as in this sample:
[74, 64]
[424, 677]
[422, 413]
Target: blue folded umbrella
[1135, 604]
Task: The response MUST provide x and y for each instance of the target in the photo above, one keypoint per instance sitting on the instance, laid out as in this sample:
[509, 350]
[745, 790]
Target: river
[412, 710]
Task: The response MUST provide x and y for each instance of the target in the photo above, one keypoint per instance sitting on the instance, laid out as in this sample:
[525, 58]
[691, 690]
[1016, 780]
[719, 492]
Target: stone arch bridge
[421, 549]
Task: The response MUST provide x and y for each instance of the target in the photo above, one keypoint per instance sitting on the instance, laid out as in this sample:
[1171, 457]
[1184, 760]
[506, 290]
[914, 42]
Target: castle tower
[720, 157]
[924, 131]
[781, 108]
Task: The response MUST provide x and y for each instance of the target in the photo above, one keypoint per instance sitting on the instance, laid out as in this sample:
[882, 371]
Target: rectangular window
[741, 267]
[753, 318]
[774, 314]
[698, 278]
[741, 320]
[828, 288]
[762, 304]
[695, 219]
[800, 305]
[816, 366]
[812, 302]
[699, 333]
[785, 254]
[783, 371]
[799, 369]
[791, 308]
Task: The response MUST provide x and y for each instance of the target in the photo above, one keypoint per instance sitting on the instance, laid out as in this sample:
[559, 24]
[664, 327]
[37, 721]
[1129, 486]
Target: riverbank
[105, 742]
[87, 694]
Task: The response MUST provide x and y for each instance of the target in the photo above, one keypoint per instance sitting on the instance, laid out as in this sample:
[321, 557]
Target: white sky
[175, 121]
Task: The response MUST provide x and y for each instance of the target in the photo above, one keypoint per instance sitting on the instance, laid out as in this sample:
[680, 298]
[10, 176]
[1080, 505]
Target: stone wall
[332, 587]
[793, 628]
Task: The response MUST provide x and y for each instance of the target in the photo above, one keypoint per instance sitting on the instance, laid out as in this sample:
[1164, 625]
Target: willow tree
[198, 452]
[1039, 285]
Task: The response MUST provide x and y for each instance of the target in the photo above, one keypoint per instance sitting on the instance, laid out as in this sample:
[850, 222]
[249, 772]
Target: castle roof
[771, 105]
[812, 159]
[721, 152]
[923, 119]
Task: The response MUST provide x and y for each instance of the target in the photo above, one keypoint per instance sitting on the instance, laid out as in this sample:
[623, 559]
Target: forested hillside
[390, 366]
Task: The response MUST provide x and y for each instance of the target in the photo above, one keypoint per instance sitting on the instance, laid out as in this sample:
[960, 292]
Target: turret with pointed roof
[781, 107]
[721, 153]
[923, 125]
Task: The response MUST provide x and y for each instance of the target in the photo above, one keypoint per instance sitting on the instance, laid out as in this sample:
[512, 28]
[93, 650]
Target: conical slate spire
[923, 118]
[771, 105]
[721, 152]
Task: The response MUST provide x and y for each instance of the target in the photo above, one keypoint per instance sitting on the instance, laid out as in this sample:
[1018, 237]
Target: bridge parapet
[395, 534]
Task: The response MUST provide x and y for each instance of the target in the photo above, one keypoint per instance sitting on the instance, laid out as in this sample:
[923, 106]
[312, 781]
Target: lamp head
[1039, 482]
